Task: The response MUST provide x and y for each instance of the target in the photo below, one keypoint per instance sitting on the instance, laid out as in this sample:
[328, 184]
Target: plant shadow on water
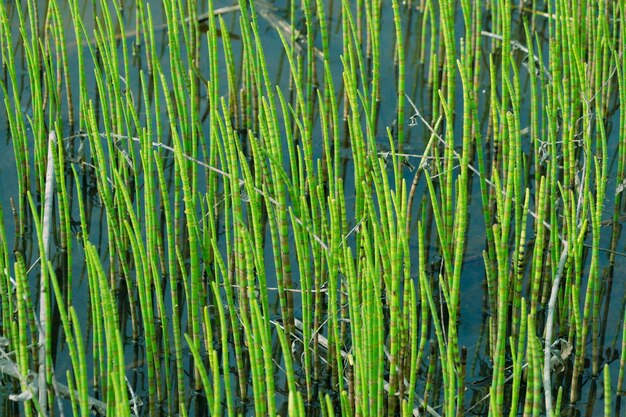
[312, 208]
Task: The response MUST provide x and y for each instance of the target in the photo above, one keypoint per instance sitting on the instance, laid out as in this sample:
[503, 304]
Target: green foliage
[242, 238]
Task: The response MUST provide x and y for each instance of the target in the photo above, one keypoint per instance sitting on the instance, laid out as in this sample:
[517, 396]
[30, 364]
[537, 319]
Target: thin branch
[469, 166]
[547, 354]
[43, 287]
[323, 342]
[9, 368]
[217, 171]
[516, 45]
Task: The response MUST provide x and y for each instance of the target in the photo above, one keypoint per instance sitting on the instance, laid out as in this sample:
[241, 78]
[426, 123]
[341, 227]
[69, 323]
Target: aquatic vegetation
[332, 207]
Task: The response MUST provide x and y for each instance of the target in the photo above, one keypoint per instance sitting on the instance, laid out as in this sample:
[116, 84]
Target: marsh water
[474, 313]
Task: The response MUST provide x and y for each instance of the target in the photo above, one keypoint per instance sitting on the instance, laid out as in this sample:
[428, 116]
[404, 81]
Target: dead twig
[43, 281]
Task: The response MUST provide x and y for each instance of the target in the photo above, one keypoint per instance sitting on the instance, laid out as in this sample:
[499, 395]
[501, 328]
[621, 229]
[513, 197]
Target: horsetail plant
[250, 219]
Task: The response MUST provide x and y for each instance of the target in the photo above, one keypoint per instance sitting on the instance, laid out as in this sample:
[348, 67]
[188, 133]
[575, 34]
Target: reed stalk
[256, 222]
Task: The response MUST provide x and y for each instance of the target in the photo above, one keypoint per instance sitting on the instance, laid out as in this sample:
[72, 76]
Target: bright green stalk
[116, 381]
[192, 230]
[21, 347]
[224, 344]
[517, 354]
[144, 285]
[202, 370]
[75, 346]
[44, 360]
[172, 273]
[401, 74]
